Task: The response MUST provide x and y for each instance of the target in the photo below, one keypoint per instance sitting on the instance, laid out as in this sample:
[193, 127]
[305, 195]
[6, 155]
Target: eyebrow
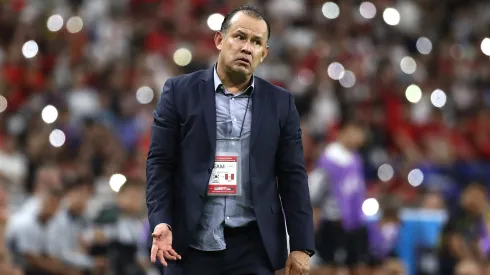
[253, 36]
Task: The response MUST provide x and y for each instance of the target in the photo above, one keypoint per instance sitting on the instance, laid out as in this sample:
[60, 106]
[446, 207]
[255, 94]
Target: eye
[241, 37]
[258, 43]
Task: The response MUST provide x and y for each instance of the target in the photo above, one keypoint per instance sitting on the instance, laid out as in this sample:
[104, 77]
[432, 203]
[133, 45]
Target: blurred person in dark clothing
[337, 190]
[30, 245]
[462, 232]
[118, 232]
[65, 231]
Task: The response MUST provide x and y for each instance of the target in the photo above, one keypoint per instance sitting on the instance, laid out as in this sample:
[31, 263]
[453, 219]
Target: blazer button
[201, 196]
[210, 170]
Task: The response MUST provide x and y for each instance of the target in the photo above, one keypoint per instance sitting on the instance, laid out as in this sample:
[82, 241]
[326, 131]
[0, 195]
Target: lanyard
[243, 120]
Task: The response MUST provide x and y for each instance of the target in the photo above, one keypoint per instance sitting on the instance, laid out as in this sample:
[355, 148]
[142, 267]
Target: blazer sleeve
[162, 159]
[293, 183]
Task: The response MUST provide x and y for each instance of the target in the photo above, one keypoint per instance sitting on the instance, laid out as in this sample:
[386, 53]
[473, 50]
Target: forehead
[241, 21]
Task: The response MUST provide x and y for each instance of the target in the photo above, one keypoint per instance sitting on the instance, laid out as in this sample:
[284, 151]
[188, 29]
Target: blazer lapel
[258, 98]
[206, 89]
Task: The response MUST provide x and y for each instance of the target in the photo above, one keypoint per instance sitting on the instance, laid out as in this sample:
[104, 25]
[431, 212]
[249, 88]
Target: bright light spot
[57, 138]
[30, 49]
[438, 98]
[348, 79]
[385, 172]
[424, 45]
[116, 182]
[415, 177]
[485, 46]
[55, 23]
[330, 10]
[3, 103]
[215, 21]
[74, 24]
[413, 93]
[370, 207]
[336, 71]
[144, 95]
[408, 65]
[182, 57]
[367, 10]
[391, 16]
[49, 114]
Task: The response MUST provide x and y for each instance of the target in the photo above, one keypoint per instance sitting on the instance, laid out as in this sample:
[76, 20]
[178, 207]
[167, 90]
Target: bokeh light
[116, 182]
[370, 207]
[55, 23]
[330, 10]
[348, 80]
[367, 10]
[336, 70]
[74, 24]
[391, 16]
[214, 21]
[57, 138]
[30, 49]
[438, 98]
[144, 95]
[3, 104]
[182, 57]
[386, 172]
[415, 177]
[49, 114]
[485, 46]
[413, 93]
[424, 45]
[408, 65]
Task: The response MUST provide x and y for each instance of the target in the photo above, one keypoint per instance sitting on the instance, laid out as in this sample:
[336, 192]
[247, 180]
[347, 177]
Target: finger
[287, 270]
[161, 258]
[172, 252]
[168, 256]
[153, 254]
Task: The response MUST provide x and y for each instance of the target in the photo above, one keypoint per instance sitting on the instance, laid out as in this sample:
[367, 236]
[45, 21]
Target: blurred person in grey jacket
[66, 230]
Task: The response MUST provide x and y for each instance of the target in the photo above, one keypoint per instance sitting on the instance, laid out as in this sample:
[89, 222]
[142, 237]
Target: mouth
[244, 60]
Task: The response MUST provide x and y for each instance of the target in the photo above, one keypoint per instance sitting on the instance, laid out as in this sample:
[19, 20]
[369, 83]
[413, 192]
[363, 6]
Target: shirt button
[234, 119]
[227, 218]
[232, 98]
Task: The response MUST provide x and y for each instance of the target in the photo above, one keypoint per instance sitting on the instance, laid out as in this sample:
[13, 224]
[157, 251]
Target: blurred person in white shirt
[46, 177]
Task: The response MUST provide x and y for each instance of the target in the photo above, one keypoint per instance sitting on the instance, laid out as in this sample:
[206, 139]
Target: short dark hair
[248, 9]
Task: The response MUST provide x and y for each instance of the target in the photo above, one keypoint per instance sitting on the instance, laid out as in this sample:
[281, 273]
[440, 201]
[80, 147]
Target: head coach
[226, 166]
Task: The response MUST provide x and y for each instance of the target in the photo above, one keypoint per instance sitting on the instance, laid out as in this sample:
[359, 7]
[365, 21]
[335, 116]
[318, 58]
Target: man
[214, 184]
[30, 245]
[462, 233]
[338, 191]
[66, 230]
[47, 176]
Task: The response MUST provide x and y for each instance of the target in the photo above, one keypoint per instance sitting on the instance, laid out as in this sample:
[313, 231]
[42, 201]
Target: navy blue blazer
[182, 152]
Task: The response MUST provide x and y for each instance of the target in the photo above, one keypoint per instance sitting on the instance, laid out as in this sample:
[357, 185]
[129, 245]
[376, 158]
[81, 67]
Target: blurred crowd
[77, 92]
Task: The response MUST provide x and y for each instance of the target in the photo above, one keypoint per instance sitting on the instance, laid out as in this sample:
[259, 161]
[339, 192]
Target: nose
[247, 48]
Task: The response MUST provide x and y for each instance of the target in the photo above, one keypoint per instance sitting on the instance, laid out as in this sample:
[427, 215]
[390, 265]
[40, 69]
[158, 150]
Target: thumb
[159, 230]
[288, 267]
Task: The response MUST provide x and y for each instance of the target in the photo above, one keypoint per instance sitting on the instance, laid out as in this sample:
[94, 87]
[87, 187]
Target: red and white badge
[224, 178]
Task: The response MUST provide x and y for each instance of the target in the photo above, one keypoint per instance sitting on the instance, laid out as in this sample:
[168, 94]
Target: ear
[218, 40]
[264, 54]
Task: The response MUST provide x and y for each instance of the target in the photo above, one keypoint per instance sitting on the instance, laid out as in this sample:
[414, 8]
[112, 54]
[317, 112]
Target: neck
[233, 82]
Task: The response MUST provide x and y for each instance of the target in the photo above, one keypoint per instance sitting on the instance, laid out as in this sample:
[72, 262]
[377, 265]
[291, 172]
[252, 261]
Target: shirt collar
[218, 83]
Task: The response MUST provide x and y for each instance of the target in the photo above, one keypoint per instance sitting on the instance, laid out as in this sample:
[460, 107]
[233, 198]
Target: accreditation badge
[225, 177]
